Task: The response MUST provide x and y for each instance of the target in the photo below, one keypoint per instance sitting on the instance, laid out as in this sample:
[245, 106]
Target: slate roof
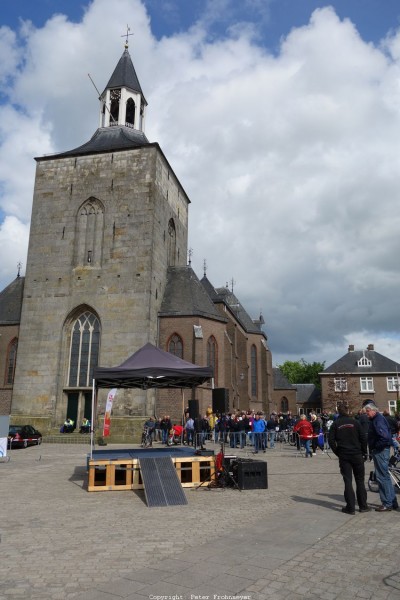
[281, 382]
[210, 289]
[307, 393]
[106, 139]
[225, 295]
[11, 302]
[185, 296]
[124, 75]
[348, 363]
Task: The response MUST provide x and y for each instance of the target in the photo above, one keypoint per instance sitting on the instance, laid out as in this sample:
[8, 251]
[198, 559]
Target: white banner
[107, 416]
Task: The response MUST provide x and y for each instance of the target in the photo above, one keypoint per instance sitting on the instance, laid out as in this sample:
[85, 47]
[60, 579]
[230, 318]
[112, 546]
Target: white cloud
[291, 160]
[13, 247]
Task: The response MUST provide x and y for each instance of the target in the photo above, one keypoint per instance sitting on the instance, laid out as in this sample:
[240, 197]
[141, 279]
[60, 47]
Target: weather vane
[126, 35]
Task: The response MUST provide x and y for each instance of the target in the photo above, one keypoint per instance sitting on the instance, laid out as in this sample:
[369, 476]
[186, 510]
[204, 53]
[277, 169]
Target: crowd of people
[369, 435]
[237, 429]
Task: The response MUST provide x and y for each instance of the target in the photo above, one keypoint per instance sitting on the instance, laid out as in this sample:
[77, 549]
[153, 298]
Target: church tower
[108, 219]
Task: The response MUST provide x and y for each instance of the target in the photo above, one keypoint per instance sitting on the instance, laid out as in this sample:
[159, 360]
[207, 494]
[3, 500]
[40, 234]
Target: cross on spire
[126, 35]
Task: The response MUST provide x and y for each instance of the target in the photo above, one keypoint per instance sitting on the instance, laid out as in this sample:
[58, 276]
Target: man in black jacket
[348, 441]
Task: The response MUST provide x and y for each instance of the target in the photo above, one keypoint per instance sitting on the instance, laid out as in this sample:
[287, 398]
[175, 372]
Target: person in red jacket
[304, 430]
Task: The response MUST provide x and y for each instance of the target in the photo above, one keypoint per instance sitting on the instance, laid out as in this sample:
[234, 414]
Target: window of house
[340, 384]
[175, 345]
[366, 384]
[284, 404]
[393, 384]
[10, 361]
[364, 362]
[253, 371]
[212, 356]
[392, 406]
[84, 350]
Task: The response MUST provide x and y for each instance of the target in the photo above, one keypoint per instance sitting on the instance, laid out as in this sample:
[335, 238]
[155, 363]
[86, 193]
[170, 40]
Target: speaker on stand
[194, 409]
[220, 400]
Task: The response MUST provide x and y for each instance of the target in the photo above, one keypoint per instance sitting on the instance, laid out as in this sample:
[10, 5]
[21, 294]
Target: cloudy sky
[281, 119]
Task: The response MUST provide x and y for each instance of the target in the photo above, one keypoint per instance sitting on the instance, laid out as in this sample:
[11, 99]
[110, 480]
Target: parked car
[22, 436]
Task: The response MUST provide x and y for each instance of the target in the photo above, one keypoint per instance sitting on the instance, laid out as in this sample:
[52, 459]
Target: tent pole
[183, 414]
[92, 423]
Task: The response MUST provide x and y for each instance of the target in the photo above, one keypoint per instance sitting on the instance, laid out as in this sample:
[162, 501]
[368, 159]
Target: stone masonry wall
[125, 289]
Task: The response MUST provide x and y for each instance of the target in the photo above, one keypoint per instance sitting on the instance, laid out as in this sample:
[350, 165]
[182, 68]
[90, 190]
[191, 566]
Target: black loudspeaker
[194, 409]
[220, 400]
[251, 474]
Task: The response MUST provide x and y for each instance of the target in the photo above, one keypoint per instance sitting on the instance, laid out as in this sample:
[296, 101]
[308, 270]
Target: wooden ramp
[161, 483]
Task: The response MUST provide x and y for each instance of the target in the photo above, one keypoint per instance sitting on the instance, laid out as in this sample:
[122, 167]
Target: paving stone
[265, 543]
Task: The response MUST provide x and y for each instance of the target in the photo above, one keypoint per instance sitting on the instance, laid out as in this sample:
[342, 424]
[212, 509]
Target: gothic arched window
[130, 112]
[212, 356]
[171, 243]
[10, 361]
[89, 233]
[84, 350]
[284, 404]
[253, 371]
[175, 345]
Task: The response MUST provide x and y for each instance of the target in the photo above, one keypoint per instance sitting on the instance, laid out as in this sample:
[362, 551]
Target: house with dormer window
[358, 375]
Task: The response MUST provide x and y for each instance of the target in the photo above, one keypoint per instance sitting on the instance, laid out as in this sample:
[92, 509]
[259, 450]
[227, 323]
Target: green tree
[301, 371]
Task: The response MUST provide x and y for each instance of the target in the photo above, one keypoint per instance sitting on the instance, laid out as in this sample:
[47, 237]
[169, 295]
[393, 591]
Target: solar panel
[161, 484]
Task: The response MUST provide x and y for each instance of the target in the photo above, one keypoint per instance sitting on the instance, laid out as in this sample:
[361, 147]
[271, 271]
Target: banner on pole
[107, 416]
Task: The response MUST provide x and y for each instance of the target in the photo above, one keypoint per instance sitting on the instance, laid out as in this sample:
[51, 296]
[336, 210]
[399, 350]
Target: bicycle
[286, 436]
[394, 472]
[147, 439]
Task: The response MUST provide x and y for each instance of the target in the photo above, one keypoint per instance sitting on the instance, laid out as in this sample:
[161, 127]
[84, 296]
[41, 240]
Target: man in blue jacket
[379, 443]
[258, 432]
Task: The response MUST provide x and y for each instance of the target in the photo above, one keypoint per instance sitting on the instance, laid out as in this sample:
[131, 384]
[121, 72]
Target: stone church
[107, 272]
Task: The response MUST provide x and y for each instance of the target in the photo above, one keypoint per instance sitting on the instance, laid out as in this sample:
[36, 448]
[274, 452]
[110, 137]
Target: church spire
[123, 102]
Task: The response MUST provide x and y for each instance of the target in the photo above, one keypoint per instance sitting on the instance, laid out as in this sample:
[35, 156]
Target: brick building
[10, 317]
[358, 375]
[106, 273]
[298, 398]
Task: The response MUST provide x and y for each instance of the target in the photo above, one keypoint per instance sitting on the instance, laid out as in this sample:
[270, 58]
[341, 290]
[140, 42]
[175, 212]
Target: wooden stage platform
[111, 470]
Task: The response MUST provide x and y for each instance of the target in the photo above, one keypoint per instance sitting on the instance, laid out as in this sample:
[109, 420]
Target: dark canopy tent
[147, 368]
[151, 367]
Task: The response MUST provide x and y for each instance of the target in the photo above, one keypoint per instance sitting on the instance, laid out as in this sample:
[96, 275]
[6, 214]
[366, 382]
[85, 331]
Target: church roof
[185, 296]
[281, 382]
[307, 393]
[124, 75]
[225, 295]
[208, 286]
[11, 302]
[349, 363]
[107, 139]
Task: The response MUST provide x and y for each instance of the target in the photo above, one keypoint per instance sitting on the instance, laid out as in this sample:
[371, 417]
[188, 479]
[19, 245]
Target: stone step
[67, 438]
